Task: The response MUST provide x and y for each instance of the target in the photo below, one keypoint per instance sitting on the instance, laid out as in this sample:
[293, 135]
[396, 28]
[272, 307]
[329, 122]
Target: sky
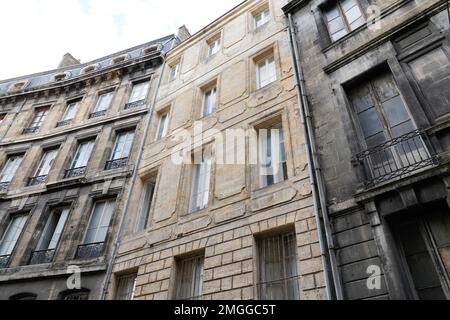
[35, 34]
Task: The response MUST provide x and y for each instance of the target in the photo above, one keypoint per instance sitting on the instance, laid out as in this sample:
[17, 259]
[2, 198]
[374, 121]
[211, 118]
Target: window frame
[76, 105]
[119, 134]
[337, 3]
[265, 60]
[261, 13]
[39, 169]
[40, 122]
[67, 210]
[195, 182]
[160, 135]
[199, 270]
[174, 71]
[12, 217]
[79, 145]
[109, 93]
[91, 215]
[2, 173]
[143, 94]
[212, 107]
[120, 278]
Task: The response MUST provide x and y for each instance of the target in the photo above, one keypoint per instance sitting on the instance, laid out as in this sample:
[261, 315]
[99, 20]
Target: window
[71, 111]
[266, 72]
[272, 155]
[38, 120]
[82, 294]
[103, 103]
[343, 17]
[209, 101]
[278, 276]
[190, 278]
[10, 168]
[83, 154]
[46, 163]
[174, 71]
[162, 126]
[99, 222]
[213, 46]
[139, 92]
[261, 18]
[145, 203]
[123, 145]
[24, 296]
[126, 286]
[10, 237]
[50, 236]
[383, 116]
[201, 183]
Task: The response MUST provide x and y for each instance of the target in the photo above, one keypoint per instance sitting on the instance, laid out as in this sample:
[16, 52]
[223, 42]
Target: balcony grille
[37, 180]
[97, 114]
[76, 172]
[31, 130]
[4, 186]
[4, 260]
[135, 104]
[116, 164]
[41, 257]
[90, 251]
[63, 123]
[397, 158]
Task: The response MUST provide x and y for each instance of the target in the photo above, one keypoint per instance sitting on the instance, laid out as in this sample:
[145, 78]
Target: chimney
[183, 33]
[68, 60]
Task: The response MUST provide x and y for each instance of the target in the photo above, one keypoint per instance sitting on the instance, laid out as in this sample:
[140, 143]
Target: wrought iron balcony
[397, 158]
[75, 172]
[4, 186]
[280, 289]
[97, 114]
[134, 104]
[42, 256]
[31, 130]
[63, 123]
[90, 251]
[37, 180]
[4, 260]
[116, 164]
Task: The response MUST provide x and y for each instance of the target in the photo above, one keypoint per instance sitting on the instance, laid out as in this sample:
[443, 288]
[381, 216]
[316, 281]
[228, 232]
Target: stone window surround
[271, 50]
[158, 113]
[218, 35]
[135, 81]
[257, 10]
[152, 173]
[112, 88]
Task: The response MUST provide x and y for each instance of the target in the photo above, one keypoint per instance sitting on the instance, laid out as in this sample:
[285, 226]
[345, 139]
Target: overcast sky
[35, 34]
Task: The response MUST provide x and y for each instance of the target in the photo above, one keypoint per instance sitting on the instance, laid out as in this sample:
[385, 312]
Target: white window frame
[10, 168]
[104, 222]
[71, 111]
[201, 184]
[267, 64]
[85, 156]
[193, 284]
[46, 163]
[264, 17]
[7, 246]
[174, 69]
[139, 91]
[101, 104]
[126, 287]
[343, 15]
[55, 236]
[39, 117]
[214, 47]
[122, 149]
[163, 126]
[209, 104]
[146, 201]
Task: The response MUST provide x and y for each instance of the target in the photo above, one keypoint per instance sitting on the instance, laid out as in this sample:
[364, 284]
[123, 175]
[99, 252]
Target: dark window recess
[190, 278]
[394, 146]
[278, 276]
[75, 295]
[424, 243]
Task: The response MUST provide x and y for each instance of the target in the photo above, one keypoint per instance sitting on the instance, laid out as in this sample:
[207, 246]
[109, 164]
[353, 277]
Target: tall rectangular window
[213, 47]
[209, 101]
[174, 71]
[38, 119]
[139, 92]
[343, 17]
[11, 235]
[122, 147]
[272, 155]
[71, 111]
[99, 222]
[190, 278]
[201, 183]
[146, 203]
[163, 126]
[104, 102]
[10, 168]
[266, 72]
[82, 155]
[261, 18]
[126, 286]
[278, 276]
[46, 163]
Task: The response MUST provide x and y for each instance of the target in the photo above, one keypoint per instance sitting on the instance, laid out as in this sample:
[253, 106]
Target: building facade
[376, 75]
[222, 208]
[70, 140]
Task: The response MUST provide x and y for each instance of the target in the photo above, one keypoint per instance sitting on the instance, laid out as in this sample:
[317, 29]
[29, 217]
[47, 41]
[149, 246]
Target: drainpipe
[315, 174]
[132, 184]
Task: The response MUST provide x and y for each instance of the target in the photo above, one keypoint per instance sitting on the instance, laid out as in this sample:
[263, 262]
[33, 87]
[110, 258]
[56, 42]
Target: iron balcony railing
[42, 256]
[134, 104]
[90, 250]
[75, 172]
[34, 181]
[4, 260]
[97, 114]
[4, 186]
[281, 289]
[31, 130]
[397, 158]
[116, 164]
[63, 123]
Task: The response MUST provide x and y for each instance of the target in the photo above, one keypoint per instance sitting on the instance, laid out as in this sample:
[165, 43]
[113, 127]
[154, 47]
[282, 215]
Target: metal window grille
[190, 279]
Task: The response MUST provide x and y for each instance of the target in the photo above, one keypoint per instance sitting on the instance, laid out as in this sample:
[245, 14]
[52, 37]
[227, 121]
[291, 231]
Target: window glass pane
[266, 72]
[174, 71]
[336, 25]
[83, 154]
[126, 286]
[123, 145]
[262, 18]
[370, 122]
[71, 111]
[145, 205]
[201, 184]
[332, 13]
[353, 14]
[162, 127]
[104, 101]
[46, 163]
[190, 278]
[10, 168]
[139, 92]
[395, 111]
[100, 220]
[12, 234]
